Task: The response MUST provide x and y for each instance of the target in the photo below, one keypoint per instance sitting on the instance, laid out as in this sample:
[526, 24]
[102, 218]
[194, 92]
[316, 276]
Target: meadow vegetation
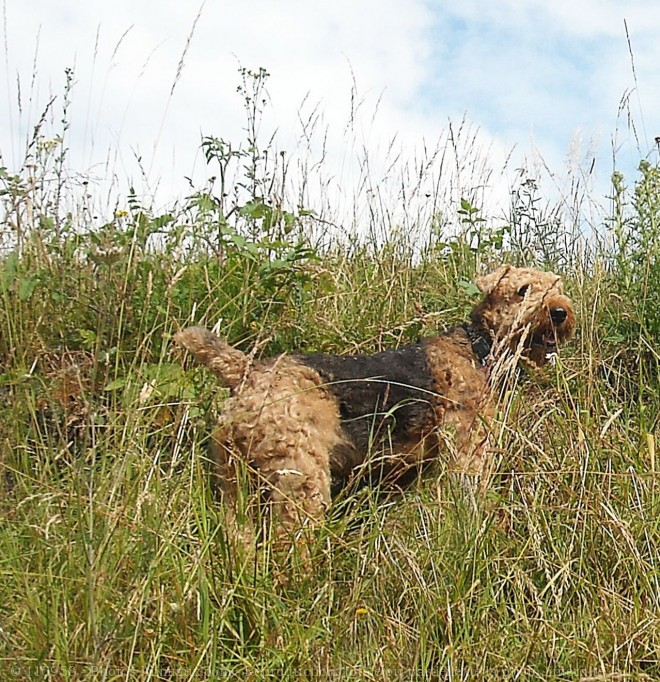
[114, 560]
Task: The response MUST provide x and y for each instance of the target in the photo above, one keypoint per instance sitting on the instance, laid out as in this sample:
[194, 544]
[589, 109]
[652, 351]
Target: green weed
[114, 555]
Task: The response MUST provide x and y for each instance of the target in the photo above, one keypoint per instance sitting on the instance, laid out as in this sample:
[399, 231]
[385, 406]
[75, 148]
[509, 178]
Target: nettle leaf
[254, 209]
[162, 220]
[88, 337]
[469, 288]
[116, 385]
[26, 287]
[9, 271]
[238, 240]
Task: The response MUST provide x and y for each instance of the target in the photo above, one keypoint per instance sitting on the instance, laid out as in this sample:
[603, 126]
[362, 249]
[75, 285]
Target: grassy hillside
[115, 564]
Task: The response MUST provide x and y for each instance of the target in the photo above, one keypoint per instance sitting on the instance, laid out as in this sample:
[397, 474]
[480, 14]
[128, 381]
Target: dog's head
[525, 307]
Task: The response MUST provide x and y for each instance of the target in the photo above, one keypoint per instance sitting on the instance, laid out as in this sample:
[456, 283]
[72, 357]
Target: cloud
[380, 80]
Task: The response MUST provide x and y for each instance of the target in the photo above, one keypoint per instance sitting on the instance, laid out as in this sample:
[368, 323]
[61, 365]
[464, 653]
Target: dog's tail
[228, 363]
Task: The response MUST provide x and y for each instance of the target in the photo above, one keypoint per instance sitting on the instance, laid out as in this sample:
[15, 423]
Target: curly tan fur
[304, 425]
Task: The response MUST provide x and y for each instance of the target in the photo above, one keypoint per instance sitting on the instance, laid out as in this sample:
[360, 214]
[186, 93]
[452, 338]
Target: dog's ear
[487, 283]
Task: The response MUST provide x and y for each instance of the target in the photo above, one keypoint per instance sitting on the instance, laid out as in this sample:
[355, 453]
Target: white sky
[542, 78]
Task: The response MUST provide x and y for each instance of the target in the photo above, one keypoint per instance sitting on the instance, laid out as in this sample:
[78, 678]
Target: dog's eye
[523, 290]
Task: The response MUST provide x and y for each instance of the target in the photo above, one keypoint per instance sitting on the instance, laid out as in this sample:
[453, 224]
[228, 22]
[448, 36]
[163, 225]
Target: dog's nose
[558, 315]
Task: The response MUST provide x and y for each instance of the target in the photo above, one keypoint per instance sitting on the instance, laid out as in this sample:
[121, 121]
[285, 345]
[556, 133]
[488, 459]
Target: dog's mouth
[546, 332]
[544, 344]
[546, 340]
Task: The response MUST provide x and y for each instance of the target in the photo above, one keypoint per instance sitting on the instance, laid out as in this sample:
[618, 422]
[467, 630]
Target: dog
[305, 426]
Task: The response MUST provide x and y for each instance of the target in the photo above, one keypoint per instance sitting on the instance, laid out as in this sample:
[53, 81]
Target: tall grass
[114, 556]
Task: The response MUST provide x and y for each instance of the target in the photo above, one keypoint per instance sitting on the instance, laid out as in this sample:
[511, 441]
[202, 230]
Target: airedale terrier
[307, 425]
